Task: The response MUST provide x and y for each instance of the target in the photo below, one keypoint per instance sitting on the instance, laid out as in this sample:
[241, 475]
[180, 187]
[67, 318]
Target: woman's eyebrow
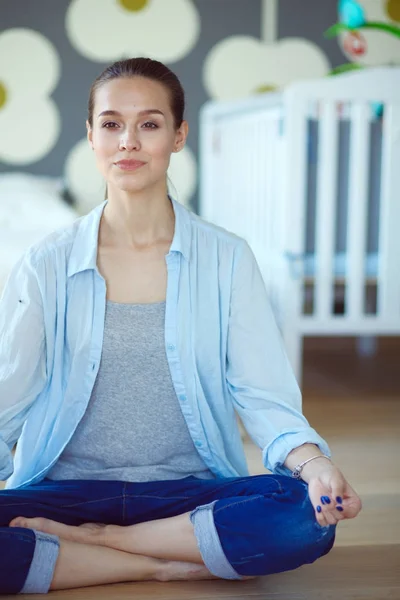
[115, 113]
[149, 111]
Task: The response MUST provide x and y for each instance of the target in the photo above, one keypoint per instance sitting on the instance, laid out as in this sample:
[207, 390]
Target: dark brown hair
[142, 67]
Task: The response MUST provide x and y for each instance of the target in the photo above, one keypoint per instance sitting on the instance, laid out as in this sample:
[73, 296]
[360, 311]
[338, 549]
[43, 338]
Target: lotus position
[129, 342]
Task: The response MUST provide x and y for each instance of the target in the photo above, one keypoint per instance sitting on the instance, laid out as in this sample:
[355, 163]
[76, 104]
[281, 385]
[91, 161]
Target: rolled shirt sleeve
[259, 376]
[22, 354]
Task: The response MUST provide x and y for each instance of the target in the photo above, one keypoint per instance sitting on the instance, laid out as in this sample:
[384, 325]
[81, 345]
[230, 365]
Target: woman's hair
[142, 67]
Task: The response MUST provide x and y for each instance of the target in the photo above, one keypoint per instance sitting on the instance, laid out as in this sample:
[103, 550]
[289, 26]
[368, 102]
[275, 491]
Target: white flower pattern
[164, 30]
[29, 118]
[242, 65]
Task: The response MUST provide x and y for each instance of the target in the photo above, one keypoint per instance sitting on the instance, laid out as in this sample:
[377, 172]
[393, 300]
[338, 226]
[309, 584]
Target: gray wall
[219, 19]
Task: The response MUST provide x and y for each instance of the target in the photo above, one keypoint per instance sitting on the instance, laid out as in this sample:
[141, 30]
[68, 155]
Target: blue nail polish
[319, 509]
[339, 500]
[327, 499]
[323, 499]
[340, 508]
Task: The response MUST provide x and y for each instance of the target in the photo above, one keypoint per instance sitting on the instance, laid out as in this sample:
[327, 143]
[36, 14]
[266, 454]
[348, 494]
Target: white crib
[332, 266]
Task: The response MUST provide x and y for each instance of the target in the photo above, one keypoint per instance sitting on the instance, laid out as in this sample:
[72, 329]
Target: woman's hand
[331, 495]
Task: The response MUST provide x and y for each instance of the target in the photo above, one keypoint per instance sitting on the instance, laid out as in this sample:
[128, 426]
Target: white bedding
[31, 207]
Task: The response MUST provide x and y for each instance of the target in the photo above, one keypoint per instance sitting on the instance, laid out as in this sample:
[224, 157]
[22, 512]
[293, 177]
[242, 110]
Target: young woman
[127, 342]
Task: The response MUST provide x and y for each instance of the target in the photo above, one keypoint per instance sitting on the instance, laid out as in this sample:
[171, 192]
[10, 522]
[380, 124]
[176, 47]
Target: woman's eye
[110, 125]
[150, 125]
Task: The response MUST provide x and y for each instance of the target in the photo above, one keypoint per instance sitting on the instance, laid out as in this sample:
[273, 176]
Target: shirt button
[198, 444]
[171, 347]
[182, 397]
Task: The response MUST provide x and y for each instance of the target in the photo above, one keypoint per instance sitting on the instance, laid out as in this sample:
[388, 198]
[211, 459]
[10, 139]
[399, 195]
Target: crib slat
[389, 235]
[228, 190]
[253, 157]
[224, 180]
[208, 135]
[264, 199]
[325, 209]
[357, 212]
[255, 176]
[234, 139]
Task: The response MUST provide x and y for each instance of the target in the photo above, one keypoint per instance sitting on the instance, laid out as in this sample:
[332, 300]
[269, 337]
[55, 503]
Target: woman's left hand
[332, 496]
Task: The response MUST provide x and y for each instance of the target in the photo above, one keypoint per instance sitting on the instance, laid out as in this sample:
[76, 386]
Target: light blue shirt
[223, 348]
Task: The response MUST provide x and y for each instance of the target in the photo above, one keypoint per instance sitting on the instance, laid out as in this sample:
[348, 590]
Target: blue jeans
[244, 526]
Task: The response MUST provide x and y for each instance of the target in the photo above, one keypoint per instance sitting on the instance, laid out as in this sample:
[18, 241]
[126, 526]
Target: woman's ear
[89, 134]
[181, 135]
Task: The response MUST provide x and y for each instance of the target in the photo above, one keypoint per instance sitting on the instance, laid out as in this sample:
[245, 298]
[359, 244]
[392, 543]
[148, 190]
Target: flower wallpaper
[52, 50]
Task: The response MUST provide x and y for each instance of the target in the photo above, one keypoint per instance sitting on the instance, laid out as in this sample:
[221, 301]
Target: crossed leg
[170, 539]
[80, 565]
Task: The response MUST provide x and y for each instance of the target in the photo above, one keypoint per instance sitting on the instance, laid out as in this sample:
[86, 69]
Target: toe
[28, 523]
[18, 522]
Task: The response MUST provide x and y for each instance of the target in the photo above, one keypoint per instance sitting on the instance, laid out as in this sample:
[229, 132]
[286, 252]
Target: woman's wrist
[319, 463]
[316, 467]
[298, 470]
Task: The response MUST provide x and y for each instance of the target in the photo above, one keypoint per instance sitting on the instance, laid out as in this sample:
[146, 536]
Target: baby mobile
[352, 23]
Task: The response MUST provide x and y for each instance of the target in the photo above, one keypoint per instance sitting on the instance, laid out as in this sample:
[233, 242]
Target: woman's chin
[130, 185]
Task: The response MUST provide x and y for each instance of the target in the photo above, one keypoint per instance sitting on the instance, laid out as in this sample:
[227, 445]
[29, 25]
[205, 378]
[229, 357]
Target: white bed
[310, 177]
[31, 207]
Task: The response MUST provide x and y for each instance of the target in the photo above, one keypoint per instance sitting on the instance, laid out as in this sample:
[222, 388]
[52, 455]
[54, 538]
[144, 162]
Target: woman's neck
[137, 220]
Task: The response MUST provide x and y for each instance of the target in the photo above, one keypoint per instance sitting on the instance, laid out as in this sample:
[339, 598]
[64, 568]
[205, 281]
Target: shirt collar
[84, 249]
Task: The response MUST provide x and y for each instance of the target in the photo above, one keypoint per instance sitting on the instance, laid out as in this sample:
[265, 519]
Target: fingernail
[327, 499]
[339, 500]
[340, 508]
[319, 509]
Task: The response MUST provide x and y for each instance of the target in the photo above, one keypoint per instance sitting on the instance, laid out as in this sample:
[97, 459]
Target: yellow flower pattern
[134, 5]
[393, 10]
[29, 117]
[3, 95]
[165, 30]
[242, 65]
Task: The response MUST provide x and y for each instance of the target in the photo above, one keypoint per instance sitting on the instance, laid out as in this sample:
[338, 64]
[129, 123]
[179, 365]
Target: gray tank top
[133, 428]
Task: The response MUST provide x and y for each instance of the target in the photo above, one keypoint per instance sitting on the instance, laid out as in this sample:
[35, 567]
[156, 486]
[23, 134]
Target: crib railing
[255, 181]
[389, 255]
[359, 93]
[239, 149]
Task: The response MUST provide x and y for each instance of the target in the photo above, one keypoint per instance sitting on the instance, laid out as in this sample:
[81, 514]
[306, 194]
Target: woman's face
[133, 133]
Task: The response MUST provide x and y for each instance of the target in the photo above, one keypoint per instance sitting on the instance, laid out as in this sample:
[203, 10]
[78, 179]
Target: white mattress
[339, 265]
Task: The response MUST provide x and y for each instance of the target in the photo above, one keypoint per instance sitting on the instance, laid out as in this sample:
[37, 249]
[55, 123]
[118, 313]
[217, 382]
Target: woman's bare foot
[88, 533]
[182, 571]
[185, 571]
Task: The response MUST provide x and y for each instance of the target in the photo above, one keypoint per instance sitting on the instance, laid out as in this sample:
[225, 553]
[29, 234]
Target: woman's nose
[129, 141]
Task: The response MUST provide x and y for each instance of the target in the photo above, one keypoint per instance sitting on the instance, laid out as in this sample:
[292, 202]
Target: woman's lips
[129, 165]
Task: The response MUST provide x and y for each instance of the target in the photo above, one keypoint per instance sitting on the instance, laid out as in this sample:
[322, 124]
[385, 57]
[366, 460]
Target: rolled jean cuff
[43, 563]
[209, 543]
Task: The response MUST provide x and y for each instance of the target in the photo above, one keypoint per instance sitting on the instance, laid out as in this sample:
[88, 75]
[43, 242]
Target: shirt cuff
[275, 454]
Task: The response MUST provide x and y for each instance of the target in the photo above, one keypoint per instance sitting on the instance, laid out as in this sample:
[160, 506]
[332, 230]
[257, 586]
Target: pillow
[31, 207]
[23, 181]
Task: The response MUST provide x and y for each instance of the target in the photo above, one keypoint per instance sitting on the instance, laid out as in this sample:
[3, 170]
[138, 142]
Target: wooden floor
[355, 403]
